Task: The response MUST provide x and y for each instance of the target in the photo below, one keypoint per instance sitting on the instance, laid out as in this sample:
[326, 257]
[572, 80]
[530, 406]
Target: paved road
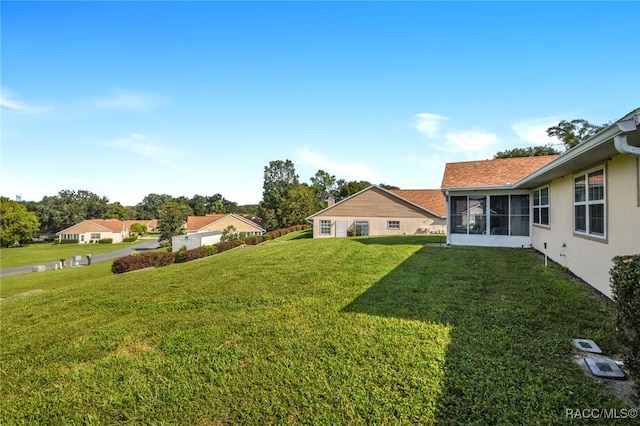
[147, 245]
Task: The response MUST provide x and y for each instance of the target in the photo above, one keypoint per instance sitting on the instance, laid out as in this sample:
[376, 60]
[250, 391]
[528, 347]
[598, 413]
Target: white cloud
[534, 130]
[8, 100]
[139, 144]
[342, 170]
[428, 124]
[125, 100]
[476, 141]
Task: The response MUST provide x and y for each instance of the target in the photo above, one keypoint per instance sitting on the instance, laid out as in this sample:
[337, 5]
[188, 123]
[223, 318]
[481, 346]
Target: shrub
[351, 233]
[106, 241]
[250, 241]
[69, 241]
[625, 288]
[212, 250]
[135, 262]
[129, 239]
[267, 237]
[193, 254]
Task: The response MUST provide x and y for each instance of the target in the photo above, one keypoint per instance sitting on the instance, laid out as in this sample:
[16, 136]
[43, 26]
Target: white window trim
[393, 228]
[588, 203]
[320, 224]
[541, 206]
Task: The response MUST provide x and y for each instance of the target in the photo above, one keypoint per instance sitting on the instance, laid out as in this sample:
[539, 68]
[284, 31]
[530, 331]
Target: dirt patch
[623, 389]
[26, 293]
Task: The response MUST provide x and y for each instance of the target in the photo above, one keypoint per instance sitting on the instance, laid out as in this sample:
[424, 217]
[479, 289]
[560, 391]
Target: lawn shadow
[392, 240]
[509, 331]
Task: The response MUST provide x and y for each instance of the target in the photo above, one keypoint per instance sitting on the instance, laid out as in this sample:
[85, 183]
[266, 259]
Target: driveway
[147, 245]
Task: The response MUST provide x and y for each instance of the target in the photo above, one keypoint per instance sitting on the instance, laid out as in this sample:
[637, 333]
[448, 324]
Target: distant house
[581, 208]
[151, 224]
[93, 230]
[378, 211]
[220, 222]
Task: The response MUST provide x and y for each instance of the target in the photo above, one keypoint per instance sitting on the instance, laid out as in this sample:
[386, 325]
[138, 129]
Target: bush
[135, 262]
[193, 254]
[130, 239]
[625, 288]
[106, 241]
[69, 241]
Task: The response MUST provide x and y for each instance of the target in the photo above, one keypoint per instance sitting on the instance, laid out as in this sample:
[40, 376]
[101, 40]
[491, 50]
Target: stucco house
[220, 222]
[93, 230]
[581, 208]
[378, 211]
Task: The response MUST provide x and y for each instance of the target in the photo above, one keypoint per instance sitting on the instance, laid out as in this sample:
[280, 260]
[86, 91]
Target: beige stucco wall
[590, 258]
[223, 223]
[378, 225]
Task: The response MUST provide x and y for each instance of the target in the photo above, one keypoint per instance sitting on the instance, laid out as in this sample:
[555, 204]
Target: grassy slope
[311, 331]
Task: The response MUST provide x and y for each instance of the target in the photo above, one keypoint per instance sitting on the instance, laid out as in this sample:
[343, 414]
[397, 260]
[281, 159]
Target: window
[589, 212]
[95, 236]
[325, 227]
[519, 215]
[506, 215]
[541, 206]
[362, 228]
[393, 224]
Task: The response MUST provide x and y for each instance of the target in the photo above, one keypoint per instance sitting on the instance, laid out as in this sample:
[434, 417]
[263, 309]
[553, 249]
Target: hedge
[625, 289]
[129, 239]
[106, 241]
[69, 241]
[135, 262]
[193, 254]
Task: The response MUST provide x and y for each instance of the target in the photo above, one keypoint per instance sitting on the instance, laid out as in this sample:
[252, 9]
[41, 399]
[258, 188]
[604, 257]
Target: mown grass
[335, 331]
[48, 252]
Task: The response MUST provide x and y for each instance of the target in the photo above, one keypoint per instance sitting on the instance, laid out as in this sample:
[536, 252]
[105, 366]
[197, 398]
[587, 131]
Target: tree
[279, 177]
[324, 185]
[137, 229]
[574, 132]
[347, 189]
[171, 218]
[300, 203]
[118, 211]
[532, 151]
[229, 233]
[150, 206]
[17, 224]
[70, 207]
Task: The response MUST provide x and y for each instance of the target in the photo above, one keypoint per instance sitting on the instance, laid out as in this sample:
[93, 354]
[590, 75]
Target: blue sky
[129, 98]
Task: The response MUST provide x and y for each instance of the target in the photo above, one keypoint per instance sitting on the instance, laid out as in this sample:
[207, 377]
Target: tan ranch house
[93, 230]
[378, 211]
[220, 222]
[581, 208]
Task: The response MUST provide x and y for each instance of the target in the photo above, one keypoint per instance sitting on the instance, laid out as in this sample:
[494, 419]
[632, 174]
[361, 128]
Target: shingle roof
[198, 222]
[431, 199]
[492, 173]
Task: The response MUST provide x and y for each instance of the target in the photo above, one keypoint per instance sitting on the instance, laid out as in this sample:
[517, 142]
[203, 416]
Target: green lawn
[332, 331]
[48, 252]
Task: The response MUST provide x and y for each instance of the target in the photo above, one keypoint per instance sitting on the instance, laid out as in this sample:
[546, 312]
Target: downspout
[620, 141]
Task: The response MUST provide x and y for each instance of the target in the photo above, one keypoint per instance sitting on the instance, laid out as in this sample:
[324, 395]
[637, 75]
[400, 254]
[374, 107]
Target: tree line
[286, 201]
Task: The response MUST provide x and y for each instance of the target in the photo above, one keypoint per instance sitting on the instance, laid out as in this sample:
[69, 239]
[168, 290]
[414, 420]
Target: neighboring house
[583, 206]
[93, 230]
[378, 211]
[191, 241]
[220, 222]
[151, 224]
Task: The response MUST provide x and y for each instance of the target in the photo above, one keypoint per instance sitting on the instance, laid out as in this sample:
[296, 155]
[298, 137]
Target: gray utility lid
[587, 345]
[604, 367]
